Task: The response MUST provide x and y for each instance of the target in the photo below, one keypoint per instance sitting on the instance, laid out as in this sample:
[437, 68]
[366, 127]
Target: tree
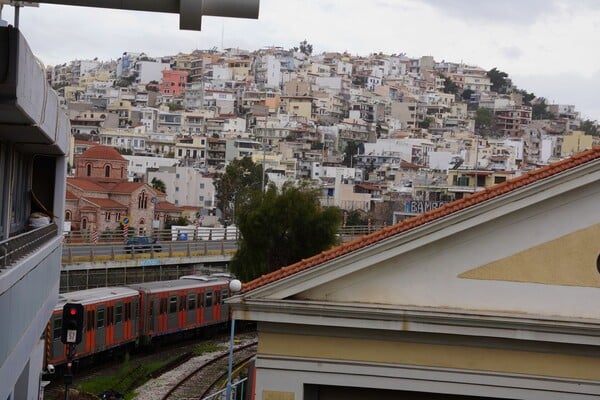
[179, 221]
[281, 228]
[350, 151]
[426, 123]
[499, 80]
[449, 85]
[159, 185]
[241, 178]
[483, 120]
[175, 107]
[306, 47]
[539, 110]
[466, 94]
[589, 127]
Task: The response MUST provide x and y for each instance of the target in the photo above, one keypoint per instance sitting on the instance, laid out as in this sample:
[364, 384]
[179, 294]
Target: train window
[224, 294]
[181, 303]
[90, 320]
[191, 301]
[100, 320]
[209, 299]
[200, 299]
[57, 328]
[118, 313]
[172, 304]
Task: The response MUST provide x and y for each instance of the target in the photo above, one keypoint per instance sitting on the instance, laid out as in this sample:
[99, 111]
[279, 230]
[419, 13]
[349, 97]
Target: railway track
[206, 379]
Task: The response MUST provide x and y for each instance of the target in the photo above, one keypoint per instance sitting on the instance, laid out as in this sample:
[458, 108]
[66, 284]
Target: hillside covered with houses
[385, 136]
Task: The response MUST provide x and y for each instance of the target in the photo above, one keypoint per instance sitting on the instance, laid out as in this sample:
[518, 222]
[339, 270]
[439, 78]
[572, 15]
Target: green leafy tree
[449, 85]
[539, 110]
[306, 47]
[179, 221]
[350, 151]
[175, 107]
[589, 127]
[241, 178]
[426, 123]
[281, 228]
[483, 120]
[466, 94]
[158, 184]
[499, 80]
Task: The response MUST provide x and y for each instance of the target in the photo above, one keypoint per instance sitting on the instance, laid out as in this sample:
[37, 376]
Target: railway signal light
[72, 323]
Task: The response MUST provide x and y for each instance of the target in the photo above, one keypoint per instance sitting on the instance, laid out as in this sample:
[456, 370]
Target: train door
[153, 313]
[224, 307]
[57, 347]
[191, 309]
[181, 316]
[209, 310]
[119, 328]
[110, 319]
[134, 318]
[90, 330]
[200, 304]
[100, 327]
[172, 312]
[162, 321]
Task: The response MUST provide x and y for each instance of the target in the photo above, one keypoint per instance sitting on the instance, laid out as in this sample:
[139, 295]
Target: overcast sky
[549, 47]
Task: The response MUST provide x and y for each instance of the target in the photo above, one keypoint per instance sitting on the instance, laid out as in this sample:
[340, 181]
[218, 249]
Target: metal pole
[264, 150]
[229, 368]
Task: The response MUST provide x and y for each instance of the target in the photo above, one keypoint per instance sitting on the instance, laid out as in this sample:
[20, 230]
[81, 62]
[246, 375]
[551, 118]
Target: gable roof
[430, 216]
[85, 185]
[102, 153]
[104, 203]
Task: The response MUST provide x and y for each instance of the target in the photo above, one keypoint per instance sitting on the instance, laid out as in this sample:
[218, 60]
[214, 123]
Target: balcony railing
[18, 246]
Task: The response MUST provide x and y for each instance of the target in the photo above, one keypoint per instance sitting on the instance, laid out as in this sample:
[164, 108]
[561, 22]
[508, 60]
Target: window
[118, 313]
[499, 179]
[209, 299]
[143, 200]
[191, 301]
[182, 303]
[56, 333]
[117, 216]
[217, 297]
[67, 215]
[100, 320]
[107, 216]
[202, 186]
[84, 223]
[172, 304]
[88, 170]
[127, 312]
[107, 171]
[177, 188]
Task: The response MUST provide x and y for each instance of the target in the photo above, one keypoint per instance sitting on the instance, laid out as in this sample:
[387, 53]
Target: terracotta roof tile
[102, 153]
[104, 203]
[70, 196]
[85, 185]
[455, 206]
[123, 187]
[166, 206]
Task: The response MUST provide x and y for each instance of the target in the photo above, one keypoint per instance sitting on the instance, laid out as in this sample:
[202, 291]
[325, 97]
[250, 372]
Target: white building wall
[150, 71]
[274, 77]
[186, 186]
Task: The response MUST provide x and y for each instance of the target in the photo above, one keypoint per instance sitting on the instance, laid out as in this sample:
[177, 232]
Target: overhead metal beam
[190, 11]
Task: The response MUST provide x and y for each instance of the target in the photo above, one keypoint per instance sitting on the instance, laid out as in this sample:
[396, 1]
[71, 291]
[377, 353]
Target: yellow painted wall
[432, 355]
[569, 260]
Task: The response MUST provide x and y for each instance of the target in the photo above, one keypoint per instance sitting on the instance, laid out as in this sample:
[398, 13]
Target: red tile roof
[102, 153]
[85, 185]
[104, 203]
[70, 196]
[123, 187]
[166, 206]
[406, 225]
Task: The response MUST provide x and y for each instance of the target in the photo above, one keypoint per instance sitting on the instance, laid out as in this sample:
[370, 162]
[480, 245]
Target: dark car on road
[142, 244]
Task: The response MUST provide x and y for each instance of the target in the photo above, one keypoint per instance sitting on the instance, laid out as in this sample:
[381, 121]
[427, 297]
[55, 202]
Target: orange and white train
[118, 317]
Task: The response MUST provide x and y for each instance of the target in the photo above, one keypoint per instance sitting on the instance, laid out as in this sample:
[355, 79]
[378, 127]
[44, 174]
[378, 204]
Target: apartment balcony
[34, 134]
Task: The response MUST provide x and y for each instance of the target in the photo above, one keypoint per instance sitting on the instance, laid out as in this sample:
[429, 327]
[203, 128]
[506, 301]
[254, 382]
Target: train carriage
[110, 320]
[181, 305]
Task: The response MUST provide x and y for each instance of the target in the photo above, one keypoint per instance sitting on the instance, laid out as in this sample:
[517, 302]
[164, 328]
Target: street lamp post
[234, 286]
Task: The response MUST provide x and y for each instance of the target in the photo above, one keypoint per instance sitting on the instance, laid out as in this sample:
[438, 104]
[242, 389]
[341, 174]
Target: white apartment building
[186, 186]
[138, 165]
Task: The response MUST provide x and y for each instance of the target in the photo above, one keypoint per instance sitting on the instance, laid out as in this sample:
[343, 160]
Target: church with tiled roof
[99, 196]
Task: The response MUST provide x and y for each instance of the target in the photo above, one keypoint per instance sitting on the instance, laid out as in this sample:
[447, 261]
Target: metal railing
[237, 391]
[18, 246]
